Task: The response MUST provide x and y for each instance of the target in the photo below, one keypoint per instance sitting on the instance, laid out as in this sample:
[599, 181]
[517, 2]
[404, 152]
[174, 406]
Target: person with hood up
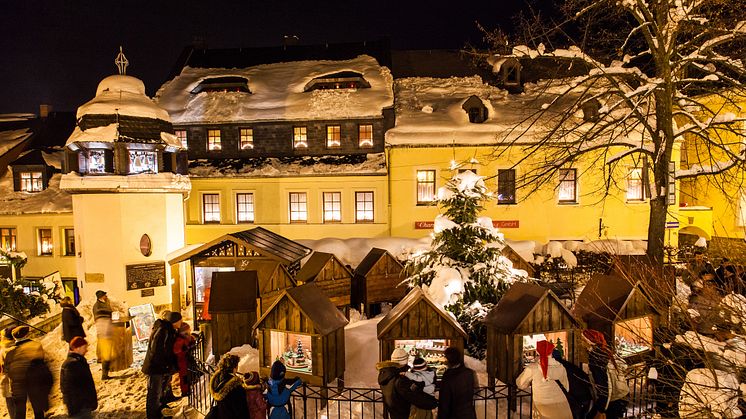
[457, 388]
[29, 374]
[228, 389]
[278, 395]
[254, 397]
[599, 357]
[160, 364]
[104, 329]
[548, 381]
[399, 392]
[183, 344]
[6, 343]
[580, 392]
[72, 321]
[421, 374]
[76, 382]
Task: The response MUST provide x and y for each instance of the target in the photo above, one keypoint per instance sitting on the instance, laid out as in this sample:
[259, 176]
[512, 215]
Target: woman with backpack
[607, 376]
[548, 381]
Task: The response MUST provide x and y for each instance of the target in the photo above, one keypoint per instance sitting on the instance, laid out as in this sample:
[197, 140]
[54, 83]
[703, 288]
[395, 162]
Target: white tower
[126, 170]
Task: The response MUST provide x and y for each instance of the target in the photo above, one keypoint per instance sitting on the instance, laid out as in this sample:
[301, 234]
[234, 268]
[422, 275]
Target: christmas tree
[300, 358]
[16, 302]
[464, 270]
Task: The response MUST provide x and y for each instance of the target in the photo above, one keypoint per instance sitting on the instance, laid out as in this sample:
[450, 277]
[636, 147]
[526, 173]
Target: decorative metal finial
[121, 62]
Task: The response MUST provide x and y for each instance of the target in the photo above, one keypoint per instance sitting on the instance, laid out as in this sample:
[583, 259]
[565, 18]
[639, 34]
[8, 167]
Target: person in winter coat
[399, 392]
[6, 343]
[420, 373]
[599, 356]
[29, 374]
[278, 395]
[580, 393]
[457, 388]
[160, 364]
[545, 378]
[72, 321]
[76, 382]
[183, 343]
[254, 397]
[104, 328]
[227, 389]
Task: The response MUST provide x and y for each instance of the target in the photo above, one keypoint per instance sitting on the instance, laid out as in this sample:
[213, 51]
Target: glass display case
[293, 349]
[559, 339]
[633, 336]
[432, 350]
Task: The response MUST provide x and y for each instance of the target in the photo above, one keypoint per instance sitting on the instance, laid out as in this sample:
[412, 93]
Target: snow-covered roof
[290, 166]
[123, 95]
[277, 93]
[50, 200]
[11, 138]
[146, 182]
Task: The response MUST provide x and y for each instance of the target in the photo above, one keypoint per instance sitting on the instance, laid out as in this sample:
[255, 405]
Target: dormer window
[591, 110]
[223, 84]
[143, 162]
[32, 181]
[475, 109]
[96, 161]
[341, 80]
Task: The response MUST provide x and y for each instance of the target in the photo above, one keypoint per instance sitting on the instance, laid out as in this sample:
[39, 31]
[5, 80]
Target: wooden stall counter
[121, 337]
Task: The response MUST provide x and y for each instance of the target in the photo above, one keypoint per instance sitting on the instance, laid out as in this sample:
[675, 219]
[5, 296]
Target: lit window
[635, 185]
[45, 242]
[211, 208]
[31, 182]
[181, 134]
[213, 140]
[245, 207]
[363, 207]
[567, 185]
[333, 136]
[506, 186]
[425, 187]
[96, 161]
[247, 138]
[8, 239]
[298, 207]
[143, 161]
[69, 242]
[300, 137]
[365, 136]
[332, 207]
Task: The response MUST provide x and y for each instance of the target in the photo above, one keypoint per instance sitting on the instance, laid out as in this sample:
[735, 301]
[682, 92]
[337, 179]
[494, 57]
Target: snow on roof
[11, 138]
[123, 95]
[111, 133]
[50, 200]
[16, 117]
[277, 93]
[145, 182]
[290, 166]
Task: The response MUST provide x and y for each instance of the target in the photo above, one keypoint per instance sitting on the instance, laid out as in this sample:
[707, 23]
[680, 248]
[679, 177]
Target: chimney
[289, 40]
[44, 110]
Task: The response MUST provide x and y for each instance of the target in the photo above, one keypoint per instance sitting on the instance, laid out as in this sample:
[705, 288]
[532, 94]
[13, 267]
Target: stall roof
[258, 239]
[517, 303]
[234, 292]
[605, 296]
[314, 265]
[409, 301]
[264, 270]
[313, 303]
[370, 260]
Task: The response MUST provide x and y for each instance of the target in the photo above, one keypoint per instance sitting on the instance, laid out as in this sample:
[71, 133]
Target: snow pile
[289, 166]
[11, 138]
[353, 251]
[709, 391]
[122, 95]
[249, 358]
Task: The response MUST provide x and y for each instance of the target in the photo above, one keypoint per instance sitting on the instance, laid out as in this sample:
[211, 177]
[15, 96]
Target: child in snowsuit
[421, 374]
[277, 394]
[254, 396]
[183, 343]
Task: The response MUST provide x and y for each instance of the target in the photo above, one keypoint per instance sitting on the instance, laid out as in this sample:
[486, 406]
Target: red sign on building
[427, 225]
[424, 225]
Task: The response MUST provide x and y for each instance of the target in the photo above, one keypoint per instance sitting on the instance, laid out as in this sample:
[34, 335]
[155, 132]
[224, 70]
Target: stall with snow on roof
[328, 273]
[622, 310]
[526, 314]
[421, 327]
[305, 330]
[378, 280]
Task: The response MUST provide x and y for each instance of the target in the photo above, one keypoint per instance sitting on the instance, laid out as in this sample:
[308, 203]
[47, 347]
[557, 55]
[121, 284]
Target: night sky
[56, 51]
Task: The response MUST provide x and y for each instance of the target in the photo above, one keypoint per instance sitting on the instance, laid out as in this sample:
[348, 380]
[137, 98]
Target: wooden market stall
[306, 330]
[273, 277]
[328, 273]
[233, 307]
[621, 309]
[526, 314]
[518, 261]
[378, 280]
[422, 328]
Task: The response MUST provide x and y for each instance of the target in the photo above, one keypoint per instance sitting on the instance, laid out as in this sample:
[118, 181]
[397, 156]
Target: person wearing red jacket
[183, 343]
[254, 395]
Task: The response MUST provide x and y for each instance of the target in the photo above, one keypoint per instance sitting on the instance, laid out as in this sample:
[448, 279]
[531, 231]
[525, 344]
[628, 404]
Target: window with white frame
[246, 138]
[211, 208]
[298, 207]
[568, 190]
[69, 234]
[300, 137]
[8, 239]
[213, 140]
[45, 246]
[364, 207]
[635, 185]
[332, 207]
[245, 207]
[143, 161]
[181, 135]
[333, 135]
[425, 187]
[365, 136]
[31, 181]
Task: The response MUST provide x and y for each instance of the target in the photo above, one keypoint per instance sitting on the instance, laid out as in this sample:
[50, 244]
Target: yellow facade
[271, 198]
[27, 228]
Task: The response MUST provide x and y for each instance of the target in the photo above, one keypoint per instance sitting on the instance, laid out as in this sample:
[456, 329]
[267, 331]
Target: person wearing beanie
[457, 388]
[6, 343]
[72, 321]
[30, 378]
[547, 378]
[160, 364]
[104, 329]
[228, 389]
[599, 357]
[183, 344]
[278, 395]
[400, 393]
[254, 397]
[76, 381]
[425, 376]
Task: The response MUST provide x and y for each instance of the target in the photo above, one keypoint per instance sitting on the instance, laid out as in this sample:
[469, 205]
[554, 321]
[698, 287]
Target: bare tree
[661, 72]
